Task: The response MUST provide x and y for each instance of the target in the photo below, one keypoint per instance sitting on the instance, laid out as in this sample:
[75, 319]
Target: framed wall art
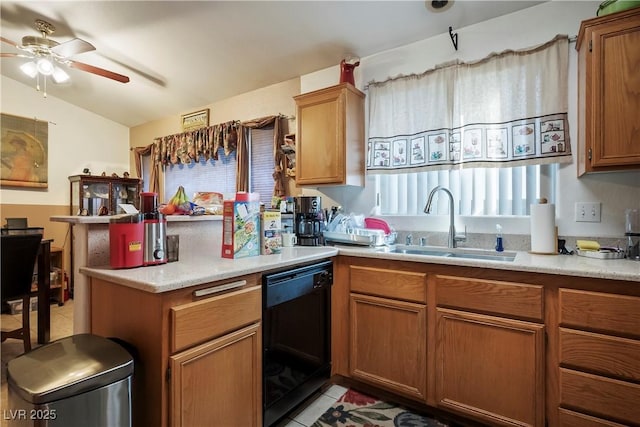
[195, 120]
[23, 152]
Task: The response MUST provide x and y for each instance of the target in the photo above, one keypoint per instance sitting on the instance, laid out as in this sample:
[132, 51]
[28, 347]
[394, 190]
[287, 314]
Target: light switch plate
[588, 212]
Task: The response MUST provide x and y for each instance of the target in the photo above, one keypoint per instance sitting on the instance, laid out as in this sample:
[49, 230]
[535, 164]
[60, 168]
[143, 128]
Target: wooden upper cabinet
[609, 93]
[330, 146]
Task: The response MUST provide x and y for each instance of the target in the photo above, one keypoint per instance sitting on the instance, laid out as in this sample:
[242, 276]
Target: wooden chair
[19, 255]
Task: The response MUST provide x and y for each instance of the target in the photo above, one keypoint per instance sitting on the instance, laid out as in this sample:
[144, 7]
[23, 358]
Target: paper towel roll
[543, 229]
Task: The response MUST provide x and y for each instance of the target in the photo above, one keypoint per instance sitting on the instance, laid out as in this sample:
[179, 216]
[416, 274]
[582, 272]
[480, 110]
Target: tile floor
[316, 405]
[62, 326]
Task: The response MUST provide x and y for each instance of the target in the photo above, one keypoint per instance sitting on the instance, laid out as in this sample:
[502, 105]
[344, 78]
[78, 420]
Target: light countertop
[200, 269]
[106, 219]
[567, 265]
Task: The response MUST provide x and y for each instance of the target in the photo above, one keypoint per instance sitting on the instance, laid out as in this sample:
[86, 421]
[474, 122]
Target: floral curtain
[154, 175]
[197, 145]
[507, 109]
[204, 144]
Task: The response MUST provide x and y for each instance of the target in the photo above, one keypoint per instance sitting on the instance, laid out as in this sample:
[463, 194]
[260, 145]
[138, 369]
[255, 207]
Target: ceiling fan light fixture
[30, 69]
[45, 67]
[59, 75]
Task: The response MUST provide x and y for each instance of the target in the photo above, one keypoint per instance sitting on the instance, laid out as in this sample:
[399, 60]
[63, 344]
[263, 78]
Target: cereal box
[241, 226]
[271, 229]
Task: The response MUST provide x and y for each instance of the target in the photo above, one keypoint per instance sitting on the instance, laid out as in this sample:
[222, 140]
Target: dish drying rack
[361, 237]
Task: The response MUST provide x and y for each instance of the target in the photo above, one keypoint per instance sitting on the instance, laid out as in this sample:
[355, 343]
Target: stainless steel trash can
[81, 380]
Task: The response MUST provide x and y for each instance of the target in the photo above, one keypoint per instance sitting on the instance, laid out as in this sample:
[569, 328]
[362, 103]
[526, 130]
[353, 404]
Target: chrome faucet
[452, 239]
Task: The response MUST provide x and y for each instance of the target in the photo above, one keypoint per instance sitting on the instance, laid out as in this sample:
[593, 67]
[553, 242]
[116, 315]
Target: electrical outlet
[588, 212]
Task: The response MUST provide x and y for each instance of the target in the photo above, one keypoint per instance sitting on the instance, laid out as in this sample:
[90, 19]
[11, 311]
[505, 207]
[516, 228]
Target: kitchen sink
[439, 251]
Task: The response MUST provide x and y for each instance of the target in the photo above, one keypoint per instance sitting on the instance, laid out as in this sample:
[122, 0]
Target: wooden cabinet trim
[397, 284]
[601, 354]
[524, 404]
[491, 296]
[389, 373]
[600, 396]
[199, 321]
[600, 312]
[251, 405]
[576, 419]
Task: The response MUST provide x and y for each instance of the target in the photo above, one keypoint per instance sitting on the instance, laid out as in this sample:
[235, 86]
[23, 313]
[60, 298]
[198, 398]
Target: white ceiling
[182, 55]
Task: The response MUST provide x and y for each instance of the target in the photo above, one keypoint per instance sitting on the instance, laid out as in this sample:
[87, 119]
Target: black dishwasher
[296, 336]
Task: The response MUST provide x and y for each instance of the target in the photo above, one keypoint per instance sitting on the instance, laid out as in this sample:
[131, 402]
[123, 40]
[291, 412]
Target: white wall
[523, 29]
[77, 139]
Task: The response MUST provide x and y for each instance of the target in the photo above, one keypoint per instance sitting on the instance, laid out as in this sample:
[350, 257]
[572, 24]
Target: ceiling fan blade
[14, 44]
[72, 47]
[99, 71]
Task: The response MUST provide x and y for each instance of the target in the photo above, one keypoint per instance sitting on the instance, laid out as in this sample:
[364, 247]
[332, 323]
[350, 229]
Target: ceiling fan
[45, 53]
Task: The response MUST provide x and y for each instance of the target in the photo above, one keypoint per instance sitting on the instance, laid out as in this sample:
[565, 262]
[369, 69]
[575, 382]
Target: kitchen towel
[543, 228]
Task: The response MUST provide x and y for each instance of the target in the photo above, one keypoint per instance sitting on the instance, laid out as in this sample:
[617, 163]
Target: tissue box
[241, 226]
[271, 233]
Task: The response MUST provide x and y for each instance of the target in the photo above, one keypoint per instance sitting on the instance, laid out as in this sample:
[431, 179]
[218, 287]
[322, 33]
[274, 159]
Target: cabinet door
[320, 150]
[330, 147]
[490, 368]
[610, 98]
[219, 381]
[388, 344]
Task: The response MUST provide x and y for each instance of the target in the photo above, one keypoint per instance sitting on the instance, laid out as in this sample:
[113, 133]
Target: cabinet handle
[218, 289]
[589, 154]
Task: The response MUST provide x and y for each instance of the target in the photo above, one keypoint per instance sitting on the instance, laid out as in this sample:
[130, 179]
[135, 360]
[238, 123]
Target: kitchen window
[492, 131]
[220, 175]
[476, 191]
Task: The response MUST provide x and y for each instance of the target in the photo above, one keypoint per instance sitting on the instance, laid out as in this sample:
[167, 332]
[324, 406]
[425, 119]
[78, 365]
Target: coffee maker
[155, 231]
[308, 220]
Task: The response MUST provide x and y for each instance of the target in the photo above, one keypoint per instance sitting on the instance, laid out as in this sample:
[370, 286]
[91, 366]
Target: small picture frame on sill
[195, 120]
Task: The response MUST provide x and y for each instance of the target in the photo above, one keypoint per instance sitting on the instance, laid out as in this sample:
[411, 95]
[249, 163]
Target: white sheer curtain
[492, 131]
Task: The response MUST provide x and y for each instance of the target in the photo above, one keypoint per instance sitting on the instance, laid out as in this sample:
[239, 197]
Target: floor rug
[357, 409]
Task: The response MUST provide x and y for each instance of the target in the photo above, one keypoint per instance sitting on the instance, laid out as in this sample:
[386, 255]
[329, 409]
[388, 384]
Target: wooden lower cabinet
[198, 357]
[496, 347]
[490, 368]
[599, 355]
[388, 341]
[569, 418]
[219, 380]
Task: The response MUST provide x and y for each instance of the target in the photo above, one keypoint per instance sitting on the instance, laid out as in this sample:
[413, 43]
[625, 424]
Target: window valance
[507, 109]
[197, 145]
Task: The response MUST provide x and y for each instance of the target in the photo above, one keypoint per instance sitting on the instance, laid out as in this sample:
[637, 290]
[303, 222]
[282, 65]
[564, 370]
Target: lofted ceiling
[182, 55]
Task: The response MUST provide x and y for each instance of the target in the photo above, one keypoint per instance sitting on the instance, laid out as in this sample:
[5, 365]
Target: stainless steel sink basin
[438, 251]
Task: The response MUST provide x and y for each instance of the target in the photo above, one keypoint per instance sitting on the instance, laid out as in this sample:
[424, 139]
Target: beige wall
[267, 101]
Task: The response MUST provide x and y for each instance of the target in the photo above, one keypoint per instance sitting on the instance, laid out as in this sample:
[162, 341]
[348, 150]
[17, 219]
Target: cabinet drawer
[612, 356]
[576, 419]
[600, 396]
[599, 311]
[508, 298]
[398, 284]
[199, 321]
